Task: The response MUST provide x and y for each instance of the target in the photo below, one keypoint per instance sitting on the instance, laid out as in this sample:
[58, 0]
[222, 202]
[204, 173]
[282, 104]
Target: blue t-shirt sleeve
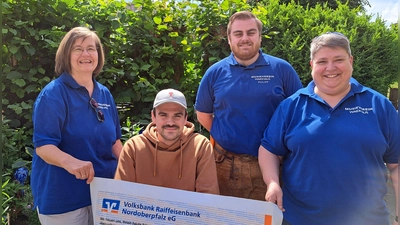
[392, 134]
[274, 135]
[48, 119]
[205, 94]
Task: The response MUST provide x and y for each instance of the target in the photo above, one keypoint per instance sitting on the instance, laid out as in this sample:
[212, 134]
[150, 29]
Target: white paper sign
[117, 202]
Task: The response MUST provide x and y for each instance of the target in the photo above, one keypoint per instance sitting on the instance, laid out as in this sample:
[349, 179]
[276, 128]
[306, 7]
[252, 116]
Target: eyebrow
[240, 31]
[78, 45]
[179, 113]
[335, 57]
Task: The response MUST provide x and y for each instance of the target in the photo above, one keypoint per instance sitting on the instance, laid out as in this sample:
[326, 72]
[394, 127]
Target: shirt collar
[68, 80]
[356, 88]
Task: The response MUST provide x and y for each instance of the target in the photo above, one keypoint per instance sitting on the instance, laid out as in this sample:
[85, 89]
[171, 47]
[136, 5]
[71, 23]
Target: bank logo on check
[110, 205]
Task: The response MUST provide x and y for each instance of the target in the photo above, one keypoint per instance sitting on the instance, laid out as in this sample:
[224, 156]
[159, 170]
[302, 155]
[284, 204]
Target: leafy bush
[6, 198]
[15, 154]
[151, 45]
[130, 130]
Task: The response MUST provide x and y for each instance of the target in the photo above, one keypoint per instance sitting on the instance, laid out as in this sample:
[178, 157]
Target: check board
[116, 202]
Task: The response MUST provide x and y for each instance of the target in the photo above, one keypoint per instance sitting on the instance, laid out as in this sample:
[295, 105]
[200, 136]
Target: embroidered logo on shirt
[262, 78]
[103, 105]
[358, 109]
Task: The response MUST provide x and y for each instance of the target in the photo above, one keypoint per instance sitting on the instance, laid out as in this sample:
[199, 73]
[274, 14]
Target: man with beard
[168, 153]
[235, 101]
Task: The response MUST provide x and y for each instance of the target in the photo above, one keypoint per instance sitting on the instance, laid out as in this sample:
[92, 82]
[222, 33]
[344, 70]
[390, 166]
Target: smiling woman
[332, 66]
[344, 137]
[84, 60]
[69, 147]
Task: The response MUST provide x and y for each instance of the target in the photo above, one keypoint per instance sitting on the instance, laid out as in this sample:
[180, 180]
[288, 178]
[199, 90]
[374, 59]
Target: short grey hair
[330, 40]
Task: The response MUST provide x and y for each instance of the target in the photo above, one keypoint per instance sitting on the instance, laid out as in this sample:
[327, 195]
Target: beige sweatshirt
[187, 165]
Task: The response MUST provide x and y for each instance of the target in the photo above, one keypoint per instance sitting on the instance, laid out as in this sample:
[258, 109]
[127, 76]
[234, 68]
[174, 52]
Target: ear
[311, 64]
[351, 60]
[153, 118]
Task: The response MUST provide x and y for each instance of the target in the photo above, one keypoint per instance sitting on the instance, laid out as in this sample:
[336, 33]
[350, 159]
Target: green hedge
[171, 44]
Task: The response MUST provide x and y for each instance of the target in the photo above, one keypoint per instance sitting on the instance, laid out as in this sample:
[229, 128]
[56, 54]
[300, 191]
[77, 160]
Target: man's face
[170, 119]
[245, 40]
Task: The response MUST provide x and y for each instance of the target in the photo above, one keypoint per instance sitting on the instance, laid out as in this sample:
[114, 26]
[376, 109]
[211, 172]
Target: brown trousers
[239, 175]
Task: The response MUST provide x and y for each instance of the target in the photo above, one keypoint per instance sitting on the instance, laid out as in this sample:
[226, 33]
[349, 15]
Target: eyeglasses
[95, 106]
[80, 50]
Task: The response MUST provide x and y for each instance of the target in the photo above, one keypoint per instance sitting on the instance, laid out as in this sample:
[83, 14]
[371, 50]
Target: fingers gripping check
[274, 194]
[82, 170]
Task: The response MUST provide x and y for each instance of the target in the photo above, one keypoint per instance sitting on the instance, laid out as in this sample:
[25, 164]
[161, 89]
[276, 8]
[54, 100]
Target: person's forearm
[205, 119]
[52, 155]
[117, 148]
[269, 165]
[394, 176]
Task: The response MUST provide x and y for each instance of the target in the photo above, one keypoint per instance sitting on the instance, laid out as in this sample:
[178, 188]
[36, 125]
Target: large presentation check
[118, 202]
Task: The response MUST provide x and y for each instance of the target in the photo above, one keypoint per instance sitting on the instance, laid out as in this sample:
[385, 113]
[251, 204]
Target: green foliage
[17, 201]
[15, 150]
[152, 45]
[334, 4]
[6, 198]
[16, 205]
[130, 130]
[15, 154]
[31, 32]
[27, 208]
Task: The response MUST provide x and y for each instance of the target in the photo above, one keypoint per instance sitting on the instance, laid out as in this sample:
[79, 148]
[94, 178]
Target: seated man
[168, 153]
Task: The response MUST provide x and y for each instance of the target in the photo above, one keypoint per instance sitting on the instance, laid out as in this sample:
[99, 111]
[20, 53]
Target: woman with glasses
[336, 140]
[76, 132]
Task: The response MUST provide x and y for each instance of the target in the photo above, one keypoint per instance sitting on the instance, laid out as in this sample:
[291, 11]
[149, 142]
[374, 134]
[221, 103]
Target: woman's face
[84, 56]
[332, 69]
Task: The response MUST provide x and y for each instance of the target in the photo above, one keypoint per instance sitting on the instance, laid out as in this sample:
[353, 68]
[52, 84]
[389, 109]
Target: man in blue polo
[235, 101]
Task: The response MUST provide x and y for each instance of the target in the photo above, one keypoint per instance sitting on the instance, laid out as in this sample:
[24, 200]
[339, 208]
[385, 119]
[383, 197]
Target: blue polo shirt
[333, 168]
[243, 99]
[63, 116]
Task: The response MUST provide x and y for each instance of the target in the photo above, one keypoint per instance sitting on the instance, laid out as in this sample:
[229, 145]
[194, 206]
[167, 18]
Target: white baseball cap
[170, 95]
